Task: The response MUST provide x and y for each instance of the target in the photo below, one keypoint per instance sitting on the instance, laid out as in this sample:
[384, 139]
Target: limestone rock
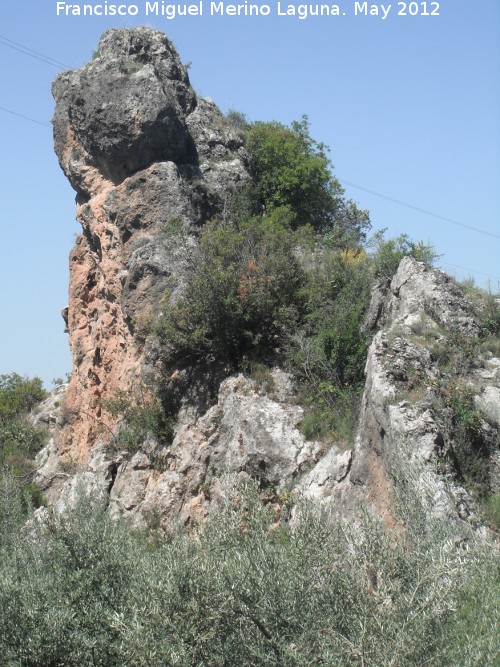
[247, 431]
[402, 433]
[489, 403]
[151, 162]
[415, 292]
[125, 109]
[326, 475]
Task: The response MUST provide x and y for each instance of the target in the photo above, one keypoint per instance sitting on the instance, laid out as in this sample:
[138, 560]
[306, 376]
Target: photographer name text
[219, 8]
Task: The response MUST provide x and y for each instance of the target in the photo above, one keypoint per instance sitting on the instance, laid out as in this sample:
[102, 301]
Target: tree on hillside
[291, 169]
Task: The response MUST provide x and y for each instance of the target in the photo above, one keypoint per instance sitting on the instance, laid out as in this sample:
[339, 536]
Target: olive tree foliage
[243, 589]
[292, 169]
[20, 439]
[63, 580]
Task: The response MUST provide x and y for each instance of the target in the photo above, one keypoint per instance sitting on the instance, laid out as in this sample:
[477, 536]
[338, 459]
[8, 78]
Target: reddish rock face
[105, 356]
[132, 138]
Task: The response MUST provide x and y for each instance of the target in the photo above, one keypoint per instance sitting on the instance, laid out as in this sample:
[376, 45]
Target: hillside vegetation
[282, 278]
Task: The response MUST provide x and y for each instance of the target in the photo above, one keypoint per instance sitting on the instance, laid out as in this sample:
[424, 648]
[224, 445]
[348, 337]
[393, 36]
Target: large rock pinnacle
[145, 155]
[151, 163]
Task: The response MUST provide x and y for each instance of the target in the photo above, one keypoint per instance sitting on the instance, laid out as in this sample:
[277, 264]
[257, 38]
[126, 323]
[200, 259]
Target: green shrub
[237, 119]
[20, 440]
[465, 432]
[293, 170]
[140, 415]
[76, 571]
[265, 293]
[389, 253]
[244, 294]
[19, 395]
[486, 305]
[491, 511]
[327, 353]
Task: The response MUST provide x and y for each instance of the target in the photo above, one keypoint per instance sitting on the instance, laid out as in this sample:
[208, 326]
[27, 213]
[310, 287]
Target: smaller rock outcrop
[246, 432]
[405, 430]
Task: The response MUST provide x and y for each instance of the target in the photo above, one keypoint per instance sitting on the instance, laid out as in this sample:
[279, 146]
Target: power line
[11, 44]
[14, 113]
[464, 268]
[421, 210]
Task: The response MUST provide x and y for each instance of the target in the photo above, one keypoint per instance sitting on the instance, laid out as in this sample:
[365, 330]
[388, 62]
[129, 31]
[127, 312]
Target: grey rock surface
[251, 430]
[403, 433]
[489, 403]
[127, 107]
[246, 432]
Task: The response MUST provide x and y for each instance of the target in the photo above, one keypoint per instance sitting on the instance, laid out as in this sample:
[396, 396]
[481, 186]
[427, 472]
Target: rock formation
[403, 430]
[145, 155]
[151, 162]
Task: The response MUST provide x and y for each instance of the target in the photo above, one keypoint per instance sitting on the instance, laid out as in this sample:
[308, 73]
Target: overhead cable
[11, 44]
[20, 115]
[422, 210]
[396, 201]
[464, 268]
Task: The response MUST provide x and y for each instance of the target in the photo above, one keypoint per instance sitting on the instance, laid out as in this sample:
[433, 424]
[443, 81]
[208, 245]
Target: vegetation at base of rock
[20, 439]
[242, 590]
[141, 416]
[327, 353]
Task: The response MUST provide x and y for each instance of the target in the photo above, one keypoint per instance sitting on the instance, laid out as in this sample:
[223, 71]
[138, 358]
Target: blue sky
[409, 105]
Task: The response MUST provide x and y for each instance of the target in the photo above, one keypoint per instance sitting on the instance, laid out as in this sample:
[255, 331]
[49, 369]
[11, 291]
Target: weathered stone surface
[402, 435]
[51, 474]
[151, 163]
[125, 109]
[326, 475]
[247, 431]
[415, 292]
